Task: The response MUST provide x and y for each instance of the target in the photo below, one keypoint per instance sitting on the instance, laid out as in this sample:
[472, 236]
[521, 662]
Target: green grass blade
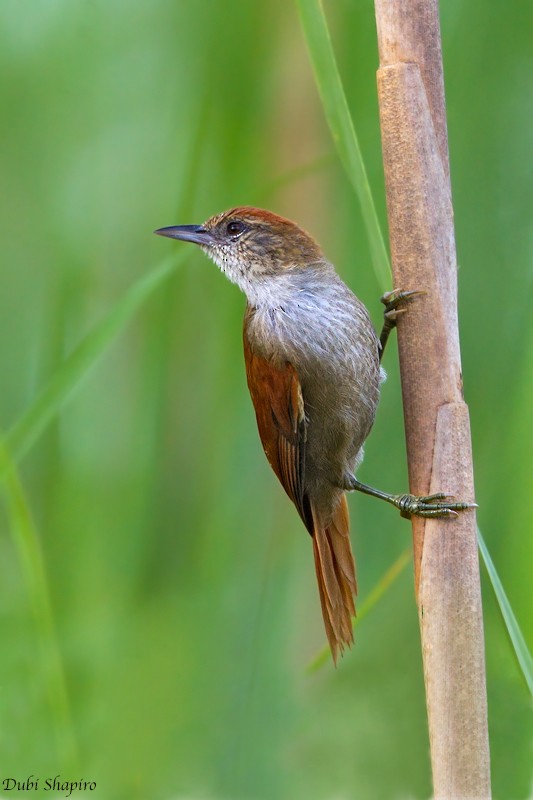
[342, 128]
[521, 650]
[375, 595]
[513, 629]
[78, 364]
[27, 544]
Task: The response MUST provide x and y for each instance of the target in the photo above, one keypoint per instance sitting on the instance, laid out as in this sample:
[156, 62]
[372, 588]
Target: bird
[313, 367]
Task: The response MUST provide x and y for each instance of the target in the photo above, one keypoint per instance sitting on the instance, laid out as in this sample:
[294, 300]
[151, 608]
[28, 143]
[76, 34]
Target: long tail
[335, 572]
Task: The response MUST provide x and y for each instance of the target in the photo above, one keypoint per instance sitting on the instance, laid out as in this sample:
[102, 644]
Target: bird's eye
[235, 227]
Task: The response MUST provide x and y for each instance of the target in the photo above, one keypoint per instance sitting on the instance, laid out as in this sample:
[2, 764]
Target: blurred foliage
[180, 580]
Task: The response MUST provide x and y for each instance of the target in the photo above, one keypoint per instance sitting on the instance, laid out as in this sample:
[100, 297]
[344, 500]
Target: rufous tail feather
[335, 572]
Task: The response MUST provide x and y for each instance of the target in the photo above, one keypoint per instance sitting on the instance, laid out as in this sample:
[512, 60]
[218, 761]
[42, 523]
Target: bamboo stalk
[422, 241]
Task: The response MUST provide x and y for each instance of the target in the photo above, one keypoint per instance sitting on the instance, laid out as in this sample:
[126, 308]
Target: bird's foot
[410, 505]
[432, 505]
[391, 301]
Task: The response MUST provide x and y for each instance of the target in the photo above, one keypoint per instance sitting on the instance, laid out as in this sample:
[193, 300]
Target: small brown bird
[313, 367]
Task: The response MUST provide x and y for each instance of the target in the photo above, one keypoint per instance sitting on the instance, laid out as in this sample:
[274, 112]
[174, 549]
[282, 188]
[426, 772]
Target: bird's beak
[187, 233]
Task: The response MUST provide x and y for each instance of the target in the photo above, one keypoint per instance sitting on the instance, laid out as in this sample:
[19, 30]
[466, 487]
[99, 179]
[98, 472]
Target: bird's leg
[409, 505]
[391, 301]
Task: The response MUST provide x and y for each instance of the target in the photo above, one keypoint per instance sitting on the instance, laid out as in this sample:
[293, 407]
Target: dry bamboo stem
[422, 241]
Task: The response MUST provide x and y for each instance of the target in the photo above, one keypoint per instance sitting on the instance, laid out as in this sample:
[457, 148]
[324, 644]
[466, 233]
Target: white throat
[271, 291]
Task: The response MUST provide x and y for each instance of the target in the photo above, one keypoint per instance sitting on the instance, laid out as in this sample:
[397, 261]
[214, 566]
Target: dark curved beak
[187, 233]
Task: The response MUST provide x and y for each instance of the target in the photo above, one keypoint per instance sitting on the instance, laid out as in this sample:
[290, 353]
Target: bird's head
[258, 250]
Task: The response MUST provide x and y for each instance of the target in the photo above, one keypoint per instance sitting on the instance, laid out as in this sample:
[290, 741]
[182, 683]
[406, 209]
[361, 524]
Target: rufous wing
[279, 408]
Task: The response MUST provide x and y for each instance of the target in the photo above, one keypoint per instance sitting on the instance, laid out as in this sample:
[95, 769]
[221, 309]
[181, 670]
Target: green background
[181, 580]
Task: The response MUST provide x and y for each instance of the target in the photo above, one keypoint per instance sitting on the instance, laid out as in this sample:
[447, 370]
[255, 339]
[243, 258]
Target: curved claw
[391, 300]
[394, 313]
